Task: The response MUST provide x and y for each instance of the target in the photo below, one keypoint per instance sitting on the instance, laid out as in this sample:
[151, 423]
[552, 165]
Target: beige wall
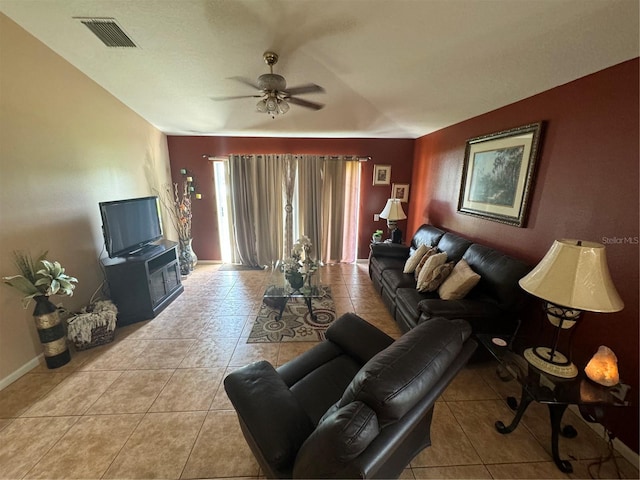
[65, 145]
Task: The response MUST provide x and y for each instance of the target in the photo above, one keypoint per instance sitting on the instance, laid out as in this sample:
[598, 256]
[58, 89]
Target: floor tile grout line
[52, 446]
[195, 441]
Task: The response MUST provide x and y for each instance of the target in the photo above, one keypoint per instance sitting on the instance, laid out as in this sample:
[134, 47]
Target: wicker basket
[95, 325]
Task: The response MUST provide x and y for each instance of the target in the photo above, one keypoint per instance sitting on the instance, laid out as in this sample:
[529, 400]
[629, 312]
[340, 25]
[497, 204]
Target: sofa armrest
[465, 308]
[393, 250]
[274, 423]
[357, 337]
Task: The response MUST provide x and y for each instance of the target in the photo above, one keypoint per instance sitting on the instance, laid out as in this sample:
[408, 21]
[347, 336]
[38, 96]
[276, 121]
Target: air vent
[107, 30]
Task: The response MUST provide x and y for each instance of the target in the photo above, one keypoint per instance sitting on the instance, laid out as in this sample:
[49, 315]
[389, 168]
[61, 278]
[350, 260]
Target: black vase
[51, 333]
[296, 280]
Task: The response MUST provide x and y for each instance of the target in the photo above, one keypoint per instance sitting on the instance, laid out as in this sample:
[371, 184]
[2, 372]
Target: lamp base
[558, 366]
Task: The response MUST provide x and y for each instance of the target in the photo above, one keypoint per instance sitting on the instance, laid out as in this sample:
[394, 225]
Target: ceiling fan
[274, 94]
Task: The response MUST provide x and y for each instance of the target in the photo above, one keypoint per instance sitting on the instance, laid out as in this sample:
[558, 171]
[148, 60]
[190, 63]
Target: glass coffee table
[279, 292]
[557, 393]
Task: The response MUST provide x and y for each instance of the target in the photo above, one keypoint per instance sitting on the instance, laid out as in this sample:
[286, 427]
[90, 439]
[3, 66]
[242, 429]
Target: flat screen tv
[130, 225]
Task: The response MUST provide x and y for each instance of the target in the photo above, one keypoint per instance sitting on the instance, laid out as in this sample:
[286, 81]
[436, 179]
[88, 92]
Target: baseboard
[628, 454]
[26, 368]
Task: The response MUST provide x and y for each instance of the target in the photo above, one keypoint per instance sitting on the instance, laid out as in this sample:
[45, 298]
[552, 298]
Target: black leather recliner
[357, 405]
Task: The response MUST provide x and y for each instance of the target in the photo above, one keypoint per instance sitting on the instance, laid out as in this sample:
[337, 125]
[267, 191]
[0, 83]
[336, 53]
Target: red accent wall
[586, 188]
[187, 152]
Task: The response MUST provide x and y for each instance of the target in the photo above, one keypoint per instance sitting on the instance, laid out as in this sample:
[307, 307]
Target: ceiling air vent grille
[107, 30]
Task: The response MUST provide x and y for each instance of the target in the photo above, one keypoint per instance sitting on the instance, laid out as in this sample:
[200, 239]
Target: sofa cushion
[432, 282]
[407, 312]
[394, 380]
[430, 265]
[414, 259]
[377, 265]
[426, 235]
[499, 274]
[394, 279]
[453, 245]
[460, 282]
[380, 264]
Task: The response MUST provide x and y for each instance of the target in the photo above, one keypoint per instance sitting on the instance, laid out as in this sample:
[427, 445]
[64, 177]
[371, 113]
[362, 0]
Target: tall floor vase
[188, 258]
[51, 333]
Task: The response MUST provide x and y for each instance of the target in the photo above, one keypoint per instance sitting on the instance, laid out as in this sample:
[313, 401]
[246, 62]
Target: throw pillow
[425, 257]
[429, 266]
[437, 277]
[414, 259]
[459, 283]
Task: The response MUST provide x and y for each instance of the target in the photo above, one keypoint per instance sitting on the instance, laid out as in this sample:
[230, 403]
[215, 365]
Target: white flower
[295, 263]
[304, 241]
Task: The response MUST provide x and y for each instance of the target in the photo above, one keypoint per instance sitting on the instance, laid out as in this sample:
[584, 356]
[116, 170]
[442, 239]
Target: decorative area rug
[232, 267]
[296, 325]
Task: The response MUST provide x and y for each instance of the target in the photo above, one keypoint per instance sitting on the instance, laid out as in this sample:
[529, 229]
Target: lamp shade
[393, 210]
[574, 274]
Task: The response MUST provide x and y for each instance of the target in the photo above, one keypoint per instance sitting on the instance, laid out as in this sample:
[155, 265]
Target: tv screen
[130, 225]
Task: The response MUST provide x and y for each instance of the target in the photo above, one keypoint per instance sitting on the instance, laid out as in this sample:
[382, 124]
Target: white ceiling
[391, 69]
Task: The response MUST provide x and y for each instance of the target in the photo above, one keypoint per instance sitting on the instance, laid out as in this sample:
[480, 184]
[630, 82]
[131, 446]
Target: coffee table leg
[555, 415]
[310, 307]
[283, 303]
[525, 400]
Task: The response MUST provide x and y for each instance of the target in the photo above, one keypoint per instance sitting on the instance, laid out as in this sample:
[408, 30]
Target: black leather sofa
[357, 405]
[492, 306]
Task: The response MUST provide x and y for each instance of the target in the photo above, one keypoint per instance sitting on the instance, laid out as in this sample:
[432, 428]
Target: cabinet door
[157, 286]
[172, 278]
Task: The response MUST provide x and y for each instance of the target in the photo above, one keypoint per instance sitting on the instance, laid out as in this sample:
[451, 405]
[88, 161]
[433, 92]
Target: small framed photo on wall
[400, 191]
[382, 174]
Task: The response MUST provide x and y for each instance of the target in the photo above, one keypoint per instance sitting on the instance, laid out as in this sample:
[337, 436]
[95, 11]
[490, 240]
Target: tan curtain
[340, 193]
[309, 211]
[328, 192]
[241, 180]
[256, 192]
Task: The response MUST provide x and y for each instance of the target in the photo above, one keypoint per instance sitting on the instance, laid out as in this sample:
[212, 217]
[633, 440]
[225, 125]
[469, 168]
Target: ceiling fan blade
[309, 88]
[219, 99]
[305, 103]
[246, 81]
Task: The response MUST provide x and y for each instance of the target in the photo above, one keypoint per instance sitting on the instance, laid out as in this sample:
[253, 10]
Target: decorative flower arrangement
[176, 199]
[47, 281]
[299, 267]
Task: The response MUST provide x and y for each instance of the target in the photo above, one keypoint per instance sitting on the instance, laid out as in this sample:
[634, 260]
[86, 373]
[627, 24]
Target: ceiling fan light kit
[272, 105]
[274, 95]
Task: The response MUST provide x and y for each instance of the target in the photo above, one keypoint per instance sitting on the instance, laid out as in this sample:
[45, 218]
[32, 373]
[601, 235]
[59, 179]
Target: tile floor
[151, 404]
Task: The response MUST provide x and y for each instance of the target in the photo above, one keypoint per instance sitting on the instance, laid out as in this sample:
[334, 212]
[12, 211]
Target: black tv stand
[144, 283]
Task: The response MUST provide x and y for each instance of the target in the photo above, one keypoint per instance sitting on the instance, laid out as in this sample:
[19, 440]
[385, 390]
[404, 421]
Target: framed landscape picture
[498, 173]
[382, 174]
[401, 191]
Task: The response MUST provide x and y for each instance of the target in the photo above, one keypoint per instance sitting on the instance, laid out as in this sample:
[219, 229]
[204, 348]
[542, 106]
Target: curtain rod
[349, 158]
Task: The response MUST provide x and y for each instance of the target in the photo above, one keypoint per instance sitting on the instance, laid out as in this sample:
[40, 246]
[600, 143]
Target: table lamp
[571, 278]
[393, 212]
